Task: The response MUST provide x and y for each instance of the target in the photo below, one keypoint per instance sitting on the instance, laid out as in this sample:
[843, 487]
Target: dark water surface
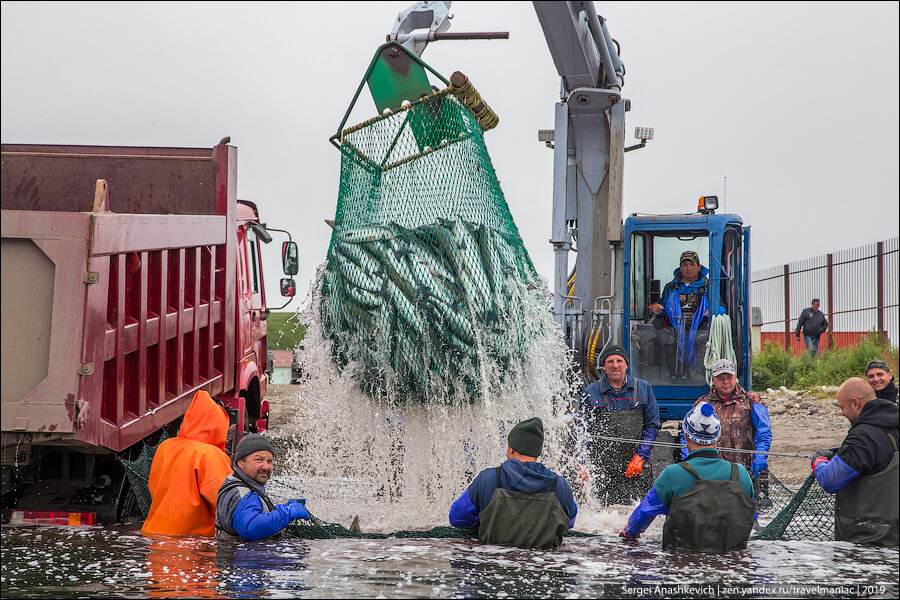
[119, 562]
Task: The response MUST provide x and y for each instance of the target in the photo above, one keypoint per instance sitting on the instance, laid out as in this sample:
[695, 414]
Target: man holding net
[244, 511]
[863, 473]
[520, 503]
[708, 500]
[745, 423]
[614, 408]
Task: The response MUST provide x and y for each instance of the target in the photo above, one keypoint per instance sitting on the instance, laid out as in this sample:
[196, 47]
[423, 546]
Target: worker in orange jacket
[188, 471]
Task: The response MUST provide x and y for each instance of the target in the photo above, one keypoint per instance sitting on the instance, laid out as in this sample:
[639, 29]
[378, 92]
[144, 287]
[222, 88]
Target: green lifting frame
[394, 76]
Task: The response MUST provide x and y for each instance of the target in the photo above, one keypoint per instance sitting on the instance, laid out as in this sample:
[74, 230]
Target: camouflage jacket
[735, 415]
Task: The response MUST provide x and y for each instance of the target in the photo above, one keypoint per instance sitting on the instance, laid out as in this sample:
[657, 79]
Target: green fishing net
[316, 529]
[807, 514]
[426, 272]
[138, 473]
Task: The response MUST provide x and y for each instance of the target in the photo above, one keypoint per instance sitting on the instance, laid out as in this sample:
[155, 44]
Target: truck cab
[660, 351]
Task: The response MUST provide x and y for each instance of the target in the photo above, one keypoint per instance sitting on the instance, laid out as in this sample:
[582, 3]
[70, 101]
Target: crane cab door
[668, 349]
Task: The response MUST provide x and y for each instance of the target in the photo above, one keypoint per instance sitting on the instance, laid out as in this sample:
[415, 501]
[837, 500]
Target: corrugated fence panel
[858, 287]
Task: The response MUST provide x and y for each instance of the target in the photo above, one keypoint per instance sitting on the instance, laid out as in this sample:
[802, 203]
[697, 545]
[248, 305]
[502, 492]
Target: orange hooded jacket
[188, 471]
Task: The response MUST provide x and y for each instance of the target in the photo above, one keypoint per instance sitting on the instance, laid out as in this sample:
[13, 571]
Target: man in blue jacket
[244, 510]
[708, 500]
[682, 308]
[863, 474]
[520, 503]
[618, 406]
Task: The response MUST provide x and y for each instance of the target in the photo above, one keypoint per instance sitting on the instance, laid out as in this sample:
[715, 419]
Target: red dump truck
[131, 278]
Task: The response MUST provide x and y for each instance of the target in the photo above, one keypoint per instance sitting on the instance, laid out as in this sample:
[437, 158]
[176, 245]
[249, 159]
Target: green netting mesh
[138, 473]
[426, 270]
[316, 529]
[807, 514]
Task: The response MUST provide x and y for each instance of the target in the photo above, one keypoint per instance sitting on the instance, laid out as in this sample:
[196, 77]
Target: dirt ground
[802, 422]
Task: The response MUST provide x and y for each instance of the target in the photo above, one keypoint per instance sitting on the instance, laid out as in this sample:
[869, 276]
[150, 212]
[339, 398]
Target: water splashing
[400, 466]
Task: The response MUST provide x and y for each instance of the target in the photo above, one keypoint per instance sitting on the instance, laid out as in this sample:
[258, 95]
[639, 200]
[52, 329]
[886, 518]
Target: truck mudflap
[262, 423]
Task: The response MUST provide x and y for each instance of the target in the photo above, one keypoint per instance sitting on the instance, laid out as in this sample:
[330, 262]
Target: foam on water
[118, 562]
[400, 466]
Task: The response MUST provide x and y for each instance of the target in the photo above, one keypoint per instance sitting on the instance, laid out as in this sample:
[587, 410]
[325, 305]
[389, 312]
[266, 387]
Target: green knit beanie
[527, 437]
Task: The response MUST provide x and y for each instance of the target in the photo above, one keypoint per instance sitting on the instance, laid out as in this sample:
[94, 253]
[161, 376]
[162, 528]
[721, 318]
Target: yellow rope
[463, 89]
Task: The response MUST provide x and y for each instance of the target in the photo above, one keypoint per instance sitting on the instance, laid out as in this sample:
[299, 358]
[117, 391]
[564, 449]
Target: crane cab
[667, 350]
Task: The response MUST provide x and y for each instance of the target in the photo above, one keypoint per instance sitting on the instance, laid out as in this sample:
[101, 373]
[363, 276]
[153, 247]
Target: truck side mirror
[289, 260]
[288, 287]
[654, 291]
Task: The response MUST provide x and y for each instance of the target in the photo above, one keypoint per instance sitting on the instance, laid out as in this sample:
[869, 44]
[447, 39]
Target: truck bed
[118, 297]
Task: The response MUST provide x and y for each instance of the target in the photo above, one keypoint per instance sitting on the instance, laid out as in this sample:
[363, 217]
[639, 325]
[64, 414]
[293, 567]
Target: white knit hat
[701, 425]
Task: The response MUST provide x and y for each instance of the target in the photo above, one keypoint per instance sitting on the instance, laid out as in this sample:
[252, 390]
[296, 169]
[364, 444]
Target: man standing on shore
[813, 323]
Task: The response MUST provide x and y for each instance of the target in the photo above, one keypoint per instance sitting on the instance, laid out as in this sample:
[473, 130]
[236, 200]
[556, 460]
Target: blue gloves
[760, 462]
[297, 509]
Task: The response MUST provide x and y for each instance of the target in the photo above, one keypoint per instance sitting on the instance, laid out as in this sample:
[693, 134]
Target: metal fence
[858, 289]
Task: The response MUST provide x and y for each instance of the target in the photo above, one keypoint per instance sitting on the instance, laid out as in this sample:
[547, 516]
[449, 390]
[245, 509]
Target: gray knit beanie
[250, 443]
[611, 350]
[527, 437]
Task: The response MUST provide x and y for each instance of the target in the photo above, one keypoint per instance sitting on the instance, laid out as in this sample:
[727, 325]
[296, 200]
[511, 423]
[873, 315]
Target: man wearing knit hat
[708, 500]
[621, 406]
[244, 510]
[520, 503]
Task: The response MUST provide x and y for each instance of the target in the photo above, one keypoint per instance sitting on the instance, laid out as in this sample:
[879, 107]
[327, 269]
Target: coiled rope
[463, 89]
[720, 344]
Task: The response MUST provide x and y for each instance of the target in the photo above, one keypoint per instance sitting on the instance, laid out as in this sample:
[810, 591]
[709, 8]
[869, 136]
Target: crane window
[665, 349]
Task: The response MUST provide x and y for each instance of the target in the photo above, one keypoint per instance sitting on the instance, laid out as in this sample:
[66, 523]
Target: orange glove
[634, 467]
[582, 473]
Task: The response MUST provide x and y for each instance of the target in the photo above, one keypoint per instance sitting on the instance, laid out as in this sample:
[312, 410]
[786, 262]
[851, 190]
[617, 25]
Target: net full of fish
[427, 278]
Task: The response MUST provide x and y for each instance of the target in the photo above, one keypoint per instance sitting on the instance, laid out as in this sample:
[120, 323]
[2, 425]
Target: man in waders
[188, 470]
[708, 500]
[244, 510]
[618, 406]
[745, 424]
[520, 503]
[864, 471]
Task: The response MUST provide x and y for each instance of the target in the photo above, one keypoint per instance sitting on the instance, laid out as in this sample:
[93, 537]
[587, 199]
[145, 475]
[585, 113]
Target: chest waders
[523, 520]
[610, 459]
[866, 510]
[225, 532]
[712, 516]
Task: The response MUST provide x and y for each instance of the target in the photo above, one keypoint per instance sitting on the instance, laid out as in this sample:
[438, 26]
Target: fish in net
[426, 273]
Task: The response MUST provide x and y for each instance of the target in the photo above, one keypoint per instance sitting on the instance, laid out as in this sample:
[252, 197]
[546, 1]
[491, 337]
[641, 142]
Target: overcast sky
[795, 103]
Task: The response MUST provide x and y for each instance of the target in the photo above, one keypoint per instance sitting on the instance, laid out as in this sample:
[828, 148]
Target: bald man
[864, 471]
